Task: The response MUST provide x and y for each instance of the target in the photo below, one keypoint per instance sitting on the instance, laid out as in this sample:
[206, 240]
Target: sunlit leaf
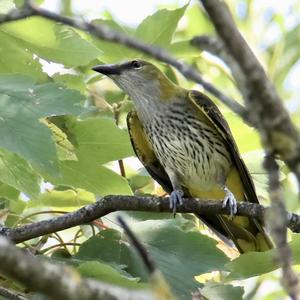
[52, 41]
[158, 29]
[220, 291]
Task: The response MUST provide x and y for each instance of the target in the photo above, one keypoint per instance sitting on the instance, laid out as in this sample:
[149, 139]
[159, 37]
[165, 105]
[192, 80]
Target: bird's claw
[175, 199]
[231, 201]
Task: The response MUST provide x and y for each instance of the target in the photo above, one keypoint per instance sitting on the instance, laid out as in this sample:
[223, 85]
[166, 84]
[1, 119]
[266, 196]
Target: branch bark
[11, 295]
[59, 281]
[114, 203]
[277, 221]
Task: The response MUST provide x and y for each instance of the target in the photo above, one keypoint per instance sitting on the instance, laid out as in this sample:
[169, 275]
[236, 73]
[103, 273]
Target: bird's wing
[207, 107]
[145, 153]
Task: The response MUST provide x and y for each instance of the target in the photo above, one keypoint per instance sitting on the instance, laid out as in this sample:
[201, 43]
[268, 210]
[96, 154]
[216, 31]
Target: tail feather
[246, 238]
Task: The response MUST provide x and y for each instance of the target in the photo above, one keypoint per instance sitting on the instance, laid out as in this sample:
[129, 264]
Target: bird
[186, 145]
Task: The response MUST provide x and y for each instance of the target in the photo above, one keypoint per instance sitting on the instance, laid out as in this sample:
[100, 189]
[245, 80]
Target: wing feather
[145, 153]
[212, 112]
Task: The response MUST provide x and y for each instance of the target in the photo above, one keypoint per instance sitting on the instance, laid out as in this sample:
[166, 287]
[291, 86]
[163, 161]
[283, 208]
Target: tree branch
[108, 34]
[59, 281]
[11, 295]
[276, 218]
[114, 203]
[266, 110]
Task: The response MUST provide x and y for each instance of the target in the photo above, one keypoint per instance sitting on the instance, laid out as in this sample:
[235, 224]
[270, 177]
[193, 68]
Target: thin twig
[149, 264]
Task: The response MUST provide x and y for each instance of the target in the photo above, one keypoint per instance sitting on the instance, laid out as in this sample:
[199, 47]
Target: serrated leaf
[220, 291]
[100, 140]
[17, 173]
[158, 29]
[65, 149]
[20, 110]
[52, 41]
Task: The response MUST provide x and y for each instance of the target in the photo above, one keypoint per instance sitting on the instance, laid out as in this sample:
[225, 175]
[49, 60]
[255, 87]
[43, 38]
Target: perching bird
[186, 145]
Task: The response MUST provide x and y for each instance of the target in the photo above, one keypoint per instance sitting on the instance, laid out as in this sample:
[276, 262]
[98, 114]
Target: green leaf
[183, 49]
[100, 140]
[71, 81]
[20, 110]
[17, 173]
[65, 149]
[14, 58]
[220, 291]
[52, 41]
[91, 177]
[168, 244]
[111, 52]
[198, 23]
[8, 192]
[106, 273]
[158, 29]
[257, 263]
[66, 199]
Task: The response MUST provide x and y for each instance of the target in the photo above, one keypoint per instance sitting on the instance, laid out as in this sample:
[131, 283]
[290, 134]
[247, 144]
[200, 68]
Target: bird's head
[141, 80]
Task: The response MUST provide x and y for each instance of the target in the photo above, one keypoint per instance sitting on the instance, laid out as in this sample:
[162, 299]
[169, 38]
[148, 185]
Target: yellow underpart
[233, 183]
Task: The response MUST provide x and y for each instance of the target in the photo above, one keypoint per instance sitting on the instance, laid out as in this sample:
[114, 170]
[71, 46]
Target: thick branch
[106, 33]
[58, 281]
[266, 110]
[11, 295]
[276, 218]
[113, 203]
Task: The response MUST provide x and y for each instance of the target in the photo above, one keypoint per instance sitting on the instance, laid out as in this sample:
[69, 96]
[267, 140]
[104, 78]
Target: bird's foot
[230, 201]
[175, 199]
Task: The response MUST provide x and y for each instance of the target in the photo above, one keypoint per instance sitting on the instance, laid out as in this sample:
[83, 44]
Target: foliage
[62, 135]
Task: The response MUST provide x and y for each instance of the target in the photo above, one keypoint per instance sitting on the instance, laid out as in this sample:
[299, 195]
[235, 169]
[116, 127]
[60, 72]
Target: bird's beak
[108, 69]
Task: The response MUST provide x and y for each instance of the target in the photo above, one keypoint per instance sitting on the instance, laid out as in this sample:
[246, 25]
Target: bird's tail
[247, 234]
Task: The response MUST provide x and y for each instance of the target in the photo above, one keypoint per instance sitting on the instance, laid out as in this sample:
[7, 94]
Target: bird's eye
[136, 64]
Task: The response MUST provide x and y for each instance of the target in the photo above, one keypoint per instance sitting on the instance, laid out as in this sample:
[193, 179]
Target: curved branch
[11, 295]
[59, 281]
[106, 33]
[114, 203]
